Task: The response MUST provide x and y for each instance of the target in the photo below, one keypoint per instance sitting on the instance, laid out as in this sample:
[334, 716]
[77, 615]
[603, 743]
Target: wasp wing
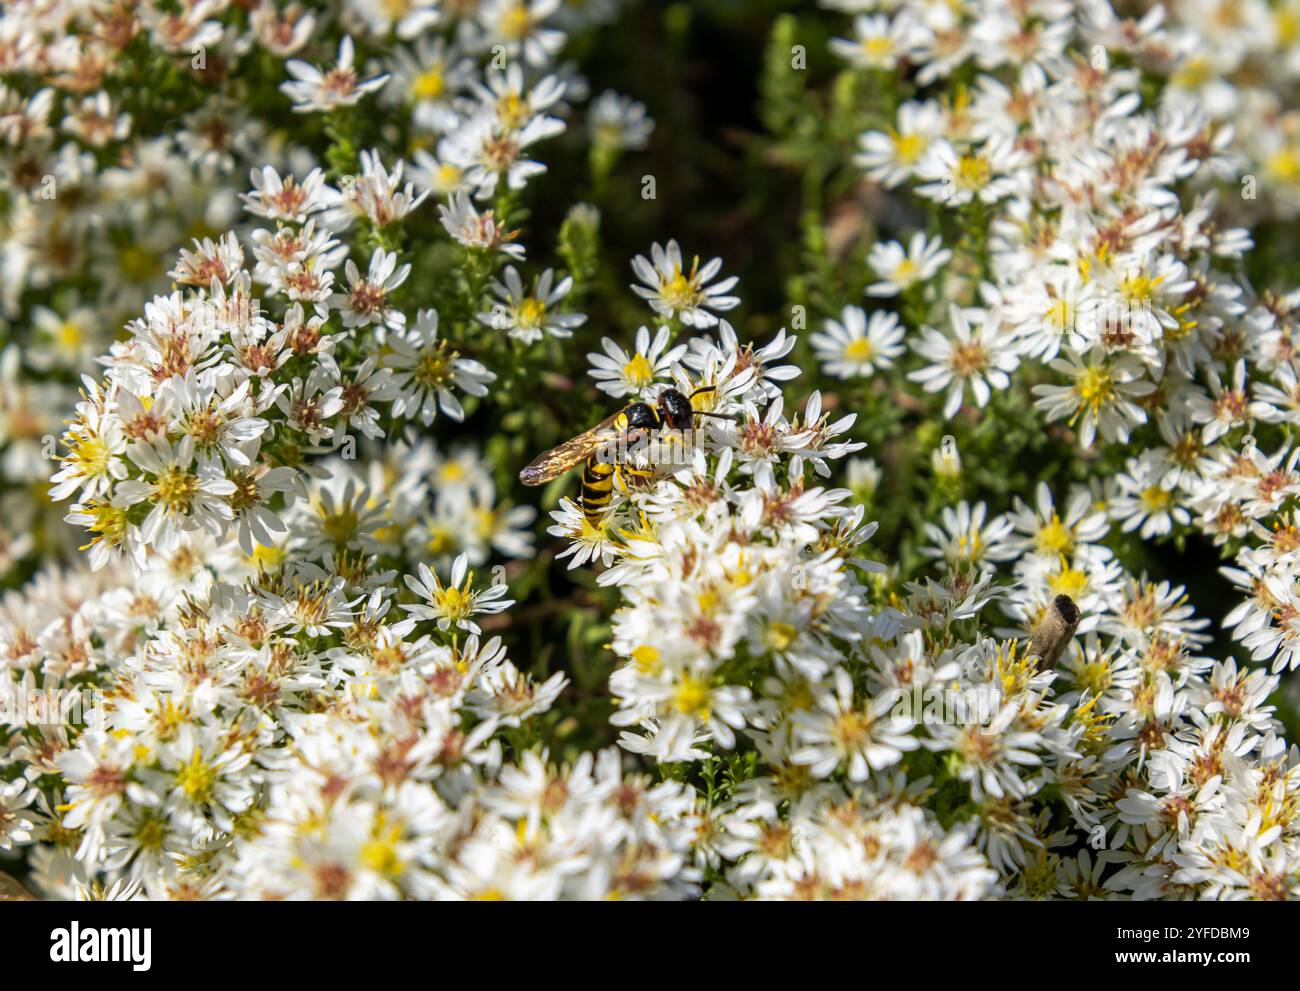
[555, 462]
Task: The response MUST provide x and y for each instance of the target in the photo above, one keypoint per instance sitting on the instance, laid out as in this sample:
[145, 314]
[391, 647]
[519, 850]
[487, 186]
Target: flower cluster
[126, 130]
[212, 411]
[292, 734]
[878, 580]
[1101, 255]
[744, 617]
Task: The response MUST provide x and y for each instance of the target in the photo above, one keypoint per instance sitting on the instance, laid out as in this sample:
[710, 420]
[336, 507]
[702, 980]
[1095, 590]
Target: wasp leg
[637, 476]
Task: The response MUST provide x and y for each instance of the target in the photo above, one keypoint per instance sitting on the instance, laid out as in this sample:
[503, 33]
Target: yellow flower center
[177, 487]
[877, 48]
[906, 271]
[150, 834]
[90, 454]
[1069, 581]
[638, 372]
[268, 558]
[970, 546]
[453, 602]
[1058, 314]
[678, 292]
[908, 147]
[1286, 21]
[511, 110]
[797, 697]
[708, 601]
[531, 312]
[1094, 676]
[448, 176]
[1155, 499]
[380, 854]
[692, 697]
[517, 22]
[1054, 537]
[1094, 386]
[196, 778]
[1138, 288]
[646, 659]
[69, 335]
[781, 635]
[973, 172]
[429, 84]
[858, 349]
[1193, 74]
[434, 365]
[1284, 165]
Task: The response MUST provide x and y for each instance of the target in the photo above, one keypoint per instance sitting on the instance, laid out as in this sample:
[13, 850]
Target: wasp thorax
[676, 409]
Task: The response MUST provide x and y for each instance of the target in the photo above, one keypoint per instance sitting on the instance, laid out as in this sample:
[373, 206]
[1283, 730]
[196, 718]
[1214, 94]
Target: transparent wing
[555, 462]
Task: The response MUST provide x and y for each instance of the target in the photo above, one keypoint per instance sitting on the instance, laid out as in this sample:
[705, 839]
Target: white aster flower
[425, 370]
[456, 603]
[900, 270]
[685, 295]
[314, 90]
[854, 346]
[638, 374]
[972, 357]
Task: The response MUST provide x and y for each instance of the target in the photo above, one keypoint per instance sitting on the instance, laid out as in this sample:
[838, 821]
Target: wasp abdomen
[597, 488]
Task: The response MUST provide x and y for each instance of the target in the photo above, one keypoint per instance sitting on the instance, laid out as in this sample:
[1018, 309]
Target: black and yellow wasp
[605, 444]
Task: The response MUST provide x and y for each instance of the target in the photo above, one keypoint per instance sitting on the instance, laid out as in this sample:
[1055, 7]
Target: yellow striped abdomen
[597, 489]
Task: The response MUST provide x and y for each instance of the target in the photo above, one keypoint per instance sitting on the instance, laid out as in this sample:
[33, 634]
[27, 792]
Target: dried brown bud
[1054, 632]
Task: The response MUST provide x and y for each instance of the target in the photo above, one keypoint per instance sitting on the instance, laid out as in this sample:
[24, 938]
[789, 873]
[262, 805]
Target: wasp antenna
[703, 388]
[716, 416]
